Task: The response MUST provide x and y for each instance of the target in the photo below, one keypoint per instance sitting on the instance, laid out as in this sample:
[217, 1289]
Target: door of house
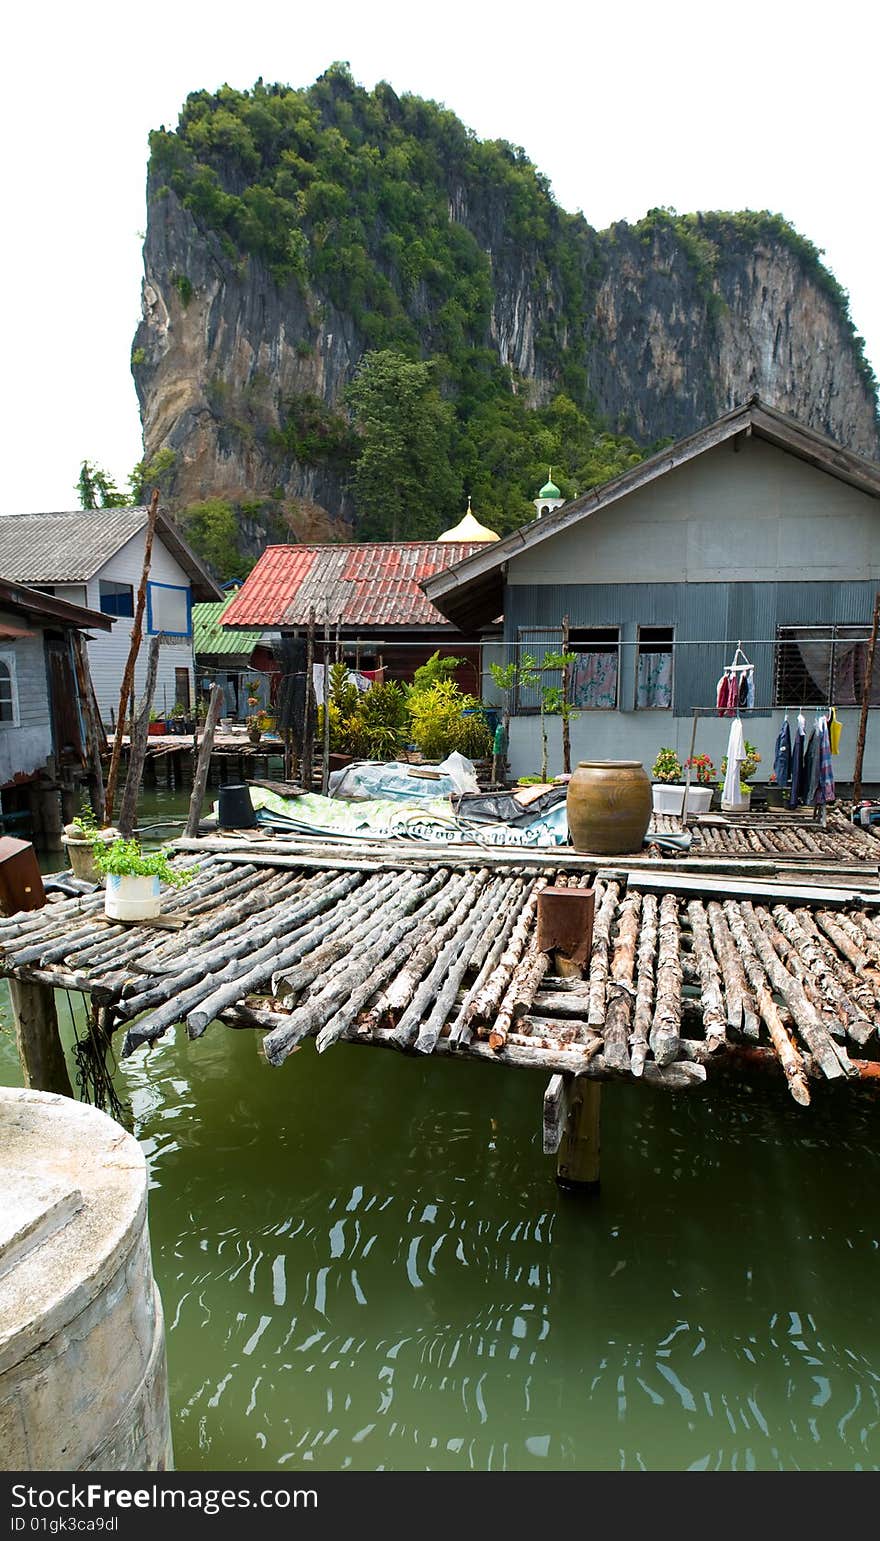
[67, 736]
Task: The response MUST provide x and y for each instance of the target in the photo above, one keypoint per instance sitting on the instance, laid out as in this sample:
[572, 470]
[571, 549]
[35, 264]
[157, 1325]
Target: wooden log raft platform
[440, 956]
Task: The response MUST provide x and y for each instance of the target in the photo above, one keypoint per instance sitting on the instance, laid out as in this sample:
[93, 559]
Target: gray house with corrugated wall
[754, 531]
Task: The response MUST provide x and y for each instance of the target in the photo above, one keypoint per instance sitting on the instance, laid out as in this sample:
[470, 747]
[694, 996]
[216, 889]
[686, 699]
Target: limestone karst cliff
[290, 232]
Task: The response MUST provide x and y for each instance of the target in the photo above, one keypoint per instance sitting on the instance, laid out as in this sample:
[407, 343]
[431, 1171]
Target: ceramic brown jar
[608, 806]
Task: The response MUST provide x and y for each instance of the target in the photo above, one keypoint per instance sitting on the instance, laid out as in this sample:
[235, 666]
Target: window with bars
[654, 669]
[823, 666]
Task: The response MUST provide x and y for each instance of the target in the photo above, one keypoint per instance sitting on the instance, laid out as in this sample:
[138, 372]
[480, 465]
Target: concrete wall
[108, 651]
[26, 747]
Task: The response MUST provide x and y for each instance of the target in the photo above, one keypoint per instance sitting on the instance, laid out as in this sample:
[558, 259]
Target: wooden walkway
[437, 953]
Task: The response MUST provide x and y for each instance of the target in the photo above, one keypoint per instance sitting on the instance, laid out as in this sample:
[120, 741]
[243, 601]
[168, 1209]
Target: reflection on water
[365, 1263]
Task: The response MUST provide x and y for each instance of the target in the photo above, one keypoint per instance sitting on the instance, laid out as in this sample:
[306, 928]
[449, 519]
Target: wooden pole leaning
[200, 778]
[127, 687]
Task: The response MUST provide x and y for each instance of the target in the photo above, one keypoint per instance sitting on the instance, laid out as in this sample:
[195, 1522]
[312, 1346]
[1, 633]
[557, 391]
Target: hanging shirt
[797, 760]
[736, 754]
[834, 731]
[750, 689]
[810, 768]
[825, 792]
[782, 755]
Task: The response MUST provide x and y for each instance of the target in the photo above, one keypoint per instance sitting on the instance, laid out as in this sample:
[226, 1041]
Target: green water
[365, 1263]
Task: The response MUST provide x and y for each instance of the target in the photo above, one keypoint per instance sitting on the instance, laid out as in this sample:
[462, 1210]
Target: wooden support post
[566, 724]
[200, 777]
[40, 1053]
[139, 733]
[95, 737]
[309, 713]
[127, 689]
[577, 1164]
[866, 697]
[325, 747]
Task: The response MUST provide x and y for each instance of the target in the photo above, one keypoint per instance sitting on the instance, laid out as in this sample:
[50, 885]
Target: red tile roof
[361, 585]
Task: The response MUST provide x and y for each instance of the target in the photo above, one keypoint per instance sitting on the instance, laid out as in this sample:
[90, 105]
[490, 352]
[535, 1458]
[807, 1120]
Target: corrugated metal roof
[72, 547]
[209, 638]
[373, 584]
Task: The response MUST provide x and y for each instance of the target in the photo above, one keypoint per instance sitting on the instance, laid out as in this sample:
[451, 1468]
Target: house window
[169, 608]
[596, 671]
[115, 598]
[654, 669]
[8, 691]
[823, 666]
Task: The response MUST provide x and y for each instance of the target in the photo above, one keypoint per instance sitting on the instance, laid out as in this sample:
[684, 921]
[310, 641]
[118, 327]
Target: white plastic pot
[699, 799]
[668, 797]
[743, 806]
[132, 898]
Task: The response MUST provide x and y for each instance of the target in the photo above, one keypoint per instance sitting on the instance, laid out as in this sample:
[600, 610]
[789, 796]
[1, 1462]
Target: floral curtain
[594, 681]
[654, 681]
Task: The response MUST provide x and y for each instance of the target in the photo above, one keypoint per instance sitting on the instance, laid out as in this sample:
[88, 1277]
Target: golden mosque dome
[469, 529]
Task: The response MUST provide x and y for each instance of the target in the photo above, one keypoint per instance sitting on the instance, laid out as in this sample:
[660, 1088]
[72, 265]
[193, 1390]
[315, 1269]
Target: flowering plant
[702, 767]
[667, 766]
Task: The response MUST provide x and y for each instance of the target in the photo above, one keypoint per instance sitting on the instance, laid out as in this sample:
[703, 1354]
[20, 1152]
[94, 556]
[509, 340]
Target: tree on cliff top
[404, 481]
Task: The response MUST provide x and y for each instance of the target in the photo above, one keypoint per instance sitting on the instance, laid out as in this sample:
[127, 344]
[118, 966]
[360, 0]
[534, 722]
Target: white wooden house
[94, 558]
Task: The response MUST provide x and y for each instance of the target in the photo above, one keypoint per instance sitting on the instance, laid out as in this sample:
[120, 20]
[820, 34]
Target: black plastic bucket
[235, 809]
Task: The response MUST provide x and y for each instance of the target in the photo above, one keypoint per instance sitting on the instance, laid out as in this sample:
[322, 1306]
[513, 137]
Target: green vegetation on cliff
[418, 234]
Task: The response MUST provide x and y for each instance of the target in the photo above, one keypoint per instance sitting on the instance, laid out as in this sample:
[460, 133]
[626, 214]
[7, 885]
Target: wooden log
[848, 1010]
[644, 1003]
[555, 1114]
[486, 1003]
[578, 1161]
[666, 1024]
[783, 1047]
[524, 983]
[795, 964]
[497, 936]
[200, 775]
[411, 1019]
[469, 940]
[360, 991]
[621, 993]
[845, 945]
[711, 996]
[386, 1011]
[127, 686]
[742, 1012]
[138, 746]
[832, 1060]
[598, 975]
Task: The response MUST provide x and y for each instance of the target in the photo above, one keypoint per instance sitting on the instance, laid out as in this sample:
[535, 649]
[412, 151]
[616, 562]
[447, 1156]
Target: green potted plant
[667, 783]
[79, 837]
[134, 878]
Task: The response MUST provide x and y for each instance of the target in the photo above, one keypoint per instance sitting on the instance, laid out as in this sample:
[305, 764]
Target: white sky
[623, 107]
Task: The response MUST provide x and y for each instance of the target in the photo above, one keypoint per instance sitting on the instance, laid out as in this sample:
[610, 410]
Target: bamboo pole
[200, 778]
[127, 687]
[866, 697]
[308, 742]
[138, 746]
[325, 750]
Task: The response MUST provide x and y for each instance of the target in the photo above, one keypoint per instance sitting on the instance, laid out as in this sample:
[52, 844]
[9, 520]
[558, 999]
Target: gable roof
[46, 610]
[72, 547]
[374, 584]
[473, 591]
[210, 640]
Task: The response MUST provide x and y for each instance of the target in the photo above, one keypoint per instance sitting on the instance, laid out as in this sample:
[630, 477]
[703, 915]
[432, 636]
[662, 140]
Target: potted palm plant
[134, 878]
